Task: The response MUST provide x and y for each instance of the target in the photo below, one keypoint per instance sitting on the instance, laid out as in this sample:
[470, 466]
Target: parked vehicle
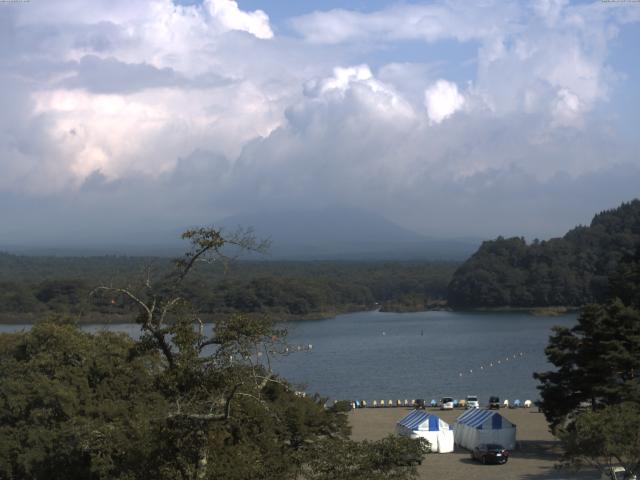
[419, 403]
[617, 473]
[472, 402]
[446, 403]
[494, 403]
[490, 453]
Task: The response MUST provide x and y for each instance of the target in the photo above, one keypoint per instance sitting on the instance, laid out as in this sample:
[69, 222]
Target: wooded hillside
[568, 271]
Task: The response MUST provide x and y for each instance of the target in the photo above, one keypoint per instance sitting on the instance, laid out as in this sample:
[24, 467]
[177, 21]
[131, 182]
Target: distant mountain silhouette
[334, 233]
[345, 233]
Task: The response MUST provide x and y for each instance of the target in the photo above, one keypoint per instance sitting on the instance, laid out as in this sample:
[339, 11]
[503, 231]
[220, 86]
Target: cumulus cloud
[442, 100]
[228, 13]
[203, 111]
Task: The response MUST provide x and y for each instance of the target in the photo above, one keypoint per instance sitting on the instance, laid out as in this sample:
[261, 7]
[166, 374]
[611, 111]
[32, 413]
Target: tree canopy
[570, 271]
[179, 403]
[592, 399]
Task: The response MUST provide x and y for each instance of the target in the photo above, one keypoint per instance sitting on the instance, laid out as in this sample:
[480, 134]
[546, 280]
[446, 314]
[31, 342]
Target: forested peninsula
[32, 288]
[570, 271]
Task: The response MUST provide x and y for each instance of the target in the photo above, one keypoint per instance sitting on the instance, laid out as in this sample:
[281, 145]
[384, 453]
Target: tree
[598, 362]
[75, 405]
[182, 402]
[605, 437]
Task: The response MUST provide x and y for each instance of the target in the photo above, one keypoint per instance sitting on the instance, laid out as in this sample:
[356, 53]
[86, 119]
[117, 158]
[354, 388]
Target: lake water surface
[375, 355]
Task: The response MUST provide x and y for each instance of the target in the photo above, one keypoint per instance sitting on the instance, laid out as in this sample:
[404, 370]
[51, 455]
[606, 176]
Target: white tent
[420, 424]
[475, 427]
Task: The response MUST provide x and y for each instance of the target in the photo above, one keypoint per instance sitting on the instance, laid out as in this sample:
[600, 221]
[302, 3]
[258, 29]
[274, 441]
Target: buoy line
[494, 363]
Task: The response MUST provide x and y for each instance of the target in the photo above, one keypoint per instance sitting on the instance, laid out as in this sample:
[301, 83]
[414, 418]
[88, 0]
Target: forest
[32, 286]
[569, 271]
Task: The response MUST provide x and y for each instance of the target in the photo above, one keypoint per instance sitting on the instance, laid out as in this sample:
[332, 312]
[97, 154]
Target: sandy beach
[534, 458]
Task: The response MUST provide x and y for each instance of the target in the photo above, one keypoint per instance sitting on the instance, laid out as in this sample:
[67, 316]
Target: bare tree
[205, 372]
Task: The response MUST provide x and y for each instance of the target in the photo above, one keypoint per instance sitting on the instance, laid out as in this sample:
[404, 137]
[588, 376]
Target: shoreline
[122, 319]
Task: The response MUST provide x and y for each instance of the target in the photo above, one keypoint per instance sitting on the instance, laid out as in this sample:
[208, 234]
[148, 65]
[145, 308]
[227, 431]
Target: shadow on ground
[561, 474]
[538, 449]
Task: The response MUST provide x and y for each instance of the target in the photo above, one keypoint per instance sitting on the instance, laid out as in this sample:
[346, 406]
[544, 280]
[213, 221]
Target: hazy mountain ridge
[346, 233]
[335, 233]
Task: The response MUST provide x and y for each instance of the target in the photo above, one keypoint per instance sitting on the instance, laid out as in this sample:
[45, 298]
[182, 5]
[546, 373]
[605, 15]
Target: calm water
[374, 355]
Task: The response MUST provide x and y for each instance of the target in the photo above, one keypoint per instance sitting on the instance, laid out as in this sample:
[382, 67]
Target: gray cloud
[111, 125]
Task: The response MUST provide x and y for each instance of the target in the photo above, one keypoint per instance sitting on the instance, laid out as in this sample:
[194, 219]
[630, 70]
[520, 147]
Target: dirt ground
[534, 458]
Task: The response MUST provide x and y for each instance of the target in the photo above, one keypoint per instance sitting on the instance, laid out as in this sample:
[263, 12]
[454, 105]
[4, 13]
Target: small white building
[420, 424]
[475, 427]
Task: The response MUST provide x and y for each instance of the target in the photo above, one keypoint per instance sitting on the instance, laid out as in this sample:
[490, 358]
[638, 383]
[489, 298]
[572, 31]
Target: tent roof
[415, 419]
[480, 419]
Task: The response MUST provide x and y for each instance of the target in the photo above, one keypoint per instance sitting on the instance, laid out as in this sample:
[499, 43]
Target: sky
[453, 118]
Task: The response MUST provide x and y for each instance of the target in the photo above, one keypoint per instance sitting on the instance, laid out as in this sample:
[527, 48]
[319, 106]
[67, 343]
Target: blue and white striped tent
[475, 427]
[420, 424]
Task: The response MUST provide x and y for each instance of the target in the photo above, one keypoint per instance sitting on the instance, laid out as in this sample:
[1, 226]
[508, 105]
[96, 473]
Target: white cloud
[135, 92]
[442, 100]
[405, 21]
[566, 108]
[228, 13]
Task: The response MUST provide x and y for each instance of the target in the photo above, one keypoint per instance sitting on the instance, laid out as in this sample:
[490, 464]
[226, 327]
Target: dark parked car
[490, 453]
[494, 403]
[420, 403]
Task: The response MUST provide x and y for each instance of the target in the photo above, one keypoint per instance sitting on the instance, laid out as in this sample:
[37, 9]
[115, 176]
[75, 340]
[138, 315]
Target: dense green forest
[33, 286]
[568, 271]
[177, 403]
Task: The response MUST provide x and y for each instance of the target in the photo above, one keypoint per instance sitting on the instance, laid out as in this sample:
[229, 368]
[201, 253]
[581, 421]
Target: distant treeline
[33, 286]
[570, 271]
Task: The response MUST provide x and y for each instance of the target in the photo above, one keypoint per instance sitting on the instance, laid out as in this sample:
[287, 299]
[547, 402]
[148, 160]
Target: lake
[375, 355]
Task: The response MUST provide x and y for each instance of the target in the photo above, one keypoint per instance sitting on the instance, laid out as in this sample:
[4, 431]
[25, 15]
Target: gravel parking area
[534, 458]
